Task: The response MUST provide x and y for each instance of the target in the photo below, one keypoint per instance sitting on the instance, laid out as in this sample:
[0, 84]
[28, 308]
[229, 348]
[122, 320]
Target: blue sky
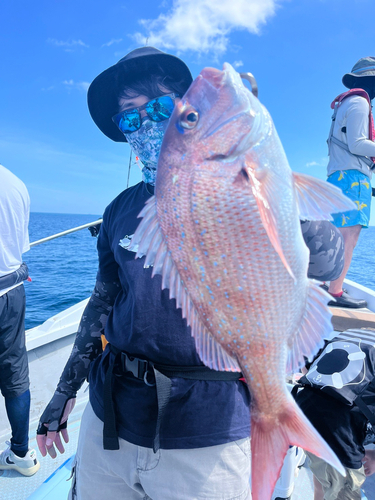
[51, 50]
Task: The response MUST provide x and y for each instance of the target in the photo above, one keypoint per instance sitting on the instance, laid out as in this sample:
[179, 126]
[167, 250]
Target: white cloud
[319, 163]
[237, 64]
[205, 25]
[77, 85]
[68, 45]
[111, 42]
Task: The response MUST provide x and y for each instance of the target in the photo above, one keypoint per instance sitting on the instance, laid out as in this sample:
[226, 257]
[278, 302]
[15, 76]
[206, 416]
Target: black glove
[52, 422]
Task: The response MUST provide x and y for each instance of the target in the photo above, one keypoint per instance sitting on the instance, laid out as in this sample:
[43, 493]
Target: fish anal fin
[270, 440]
[314, 327]
[262, 188]
[319, 199]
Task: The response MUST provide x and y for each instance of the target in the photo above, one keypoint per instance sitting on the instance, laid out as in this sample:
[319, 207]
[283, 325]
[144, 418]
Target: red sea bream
[223, 229]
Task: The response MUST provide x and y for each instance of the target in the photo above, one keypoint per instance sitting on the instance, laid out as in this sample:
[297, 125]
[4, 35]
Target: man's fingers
[41, 441]
[51, 436]
[52, 452]
[64, 433]
[59, 444]
[50, 439]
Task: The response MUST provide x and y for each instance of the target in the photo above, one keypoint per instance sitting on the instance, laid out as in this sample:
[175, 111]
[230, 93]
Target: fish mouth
[228, 82]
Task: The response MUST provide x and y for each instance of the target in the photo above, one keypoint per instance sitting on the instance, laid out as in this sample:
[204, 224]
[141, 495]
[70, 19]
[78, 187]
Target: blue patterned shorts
[357, 187]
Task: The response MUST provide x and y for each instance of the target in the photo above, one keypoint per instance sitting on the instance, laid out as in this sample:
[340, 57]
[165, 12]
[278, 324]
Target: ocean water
[63, 270]
[362, 268]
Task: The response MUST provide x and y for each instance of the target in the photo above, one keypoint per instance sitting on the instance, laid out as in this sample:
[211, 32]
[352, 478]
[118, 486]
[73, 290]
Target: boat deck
[46, 362]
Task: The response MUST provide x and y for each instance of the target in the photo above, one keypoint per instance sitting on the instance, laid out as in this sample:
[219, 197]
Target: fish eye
[189, 118]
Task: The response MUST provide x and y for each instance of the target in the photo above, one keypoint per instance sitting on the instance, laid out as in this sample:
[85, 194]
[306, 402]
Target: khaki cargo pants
[334, 485]
[137, 473]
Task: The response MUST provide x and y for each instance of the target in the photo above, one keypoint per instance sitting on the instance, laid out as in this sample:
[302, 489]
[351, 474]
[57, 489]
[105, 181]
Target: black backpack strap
[365, 410]
[163, 392]
[110, 436]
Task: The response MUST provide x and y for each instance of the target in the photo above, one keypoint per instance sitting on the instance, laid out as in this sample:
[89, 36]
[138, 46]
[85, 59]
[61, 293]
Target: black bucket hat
[365, 67]
[103, 93]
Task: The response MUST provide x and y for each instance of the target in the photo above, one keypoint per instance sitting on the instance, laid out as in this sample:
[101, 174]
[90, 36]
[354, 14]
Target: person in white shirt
[14, 370]
[351, 152]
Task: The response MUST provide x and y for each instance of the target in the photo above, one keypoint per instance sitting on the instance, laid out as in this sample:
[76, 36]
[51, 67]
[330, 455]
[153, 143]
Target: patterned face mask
[146, 144]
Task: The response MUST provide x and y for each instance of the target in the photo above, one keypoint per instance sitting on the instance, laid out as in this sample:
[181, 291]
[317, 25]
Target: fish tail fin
[270, 440]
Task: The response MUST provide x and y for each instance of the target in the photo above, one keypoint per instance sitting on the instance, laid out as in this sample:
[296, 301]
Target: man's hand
[52, 423]
[369, 462]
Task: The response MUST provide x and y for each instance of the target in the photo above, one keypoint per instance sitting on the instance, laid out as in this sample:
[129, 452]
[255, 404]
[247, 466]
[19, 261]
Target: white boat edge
[61, 325]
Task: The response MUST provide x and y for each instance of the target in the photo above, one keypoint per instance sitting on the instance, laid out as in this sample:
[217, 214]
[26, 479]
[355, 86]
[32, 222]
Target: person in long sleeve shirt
[349, 168]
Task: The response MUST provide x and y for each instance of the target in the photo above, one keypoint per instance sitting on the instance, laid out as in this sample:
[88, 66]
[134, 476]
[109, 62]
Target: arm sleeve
[87, 345]
[357, 128]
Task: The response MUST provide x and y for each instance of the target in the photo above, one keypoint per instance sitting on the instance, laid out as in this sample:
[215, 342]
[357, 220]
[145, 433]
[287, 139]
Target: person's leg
[350, 235]
[333, 485]
[357, 187]
[326, 248]
[217, 472]
[14, 373]
[18, 411]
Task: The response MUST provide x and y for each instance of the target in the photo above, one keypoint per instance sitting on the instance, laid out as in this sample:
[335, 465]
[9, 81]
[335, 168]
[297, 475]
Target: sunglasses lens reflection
[160, 109]
[128, 122]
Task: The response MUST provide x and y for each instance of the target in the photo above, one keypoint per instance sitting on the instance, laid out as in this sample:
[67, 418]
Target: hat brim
[350, 80]
[103, 93]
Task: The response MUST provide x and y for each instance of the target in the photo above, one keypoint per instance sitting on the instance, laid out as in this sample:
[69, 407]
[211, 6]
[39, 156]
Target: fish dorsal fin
[263, 187]
[319, 199]
[314, 328]
[148, 241]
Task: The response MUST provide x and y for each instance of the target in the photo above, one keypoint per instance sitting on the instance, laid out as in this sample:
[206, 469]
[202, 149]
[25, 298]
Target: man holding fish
[169, 390]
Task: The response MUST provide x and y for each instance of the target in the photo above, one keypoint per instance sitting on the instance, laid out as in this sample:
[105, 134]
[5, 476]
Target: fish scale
[225, 220]
[251, 247]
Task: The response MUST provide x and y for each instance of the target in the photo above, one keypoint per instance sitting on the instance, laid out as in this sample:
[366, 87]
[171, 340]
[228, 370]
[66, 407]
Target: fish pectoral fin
[210, 351]
[270, 440]
[262, 187]
[315, 325]
[148, 240]
[319, 199]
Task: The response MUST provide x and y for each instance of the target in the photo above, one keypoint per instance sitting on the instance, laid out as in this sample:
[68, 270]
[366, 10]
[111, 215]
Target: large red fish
[223, 229]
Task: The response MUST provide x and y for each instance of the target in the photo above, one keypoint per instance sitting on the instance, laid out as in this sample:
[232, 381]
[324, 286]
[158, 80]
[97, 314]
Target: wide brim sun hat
[103, 93]
[365, 67]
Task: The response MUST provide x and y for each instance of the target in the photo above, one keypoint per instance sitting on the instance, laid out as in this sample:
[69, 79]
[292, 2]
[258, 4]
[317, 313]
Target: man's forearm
[87, 345]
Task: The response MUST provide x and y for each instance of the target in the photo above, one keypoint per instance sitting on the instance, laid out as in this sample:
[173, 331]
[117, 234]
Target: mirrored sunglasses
[157, 110]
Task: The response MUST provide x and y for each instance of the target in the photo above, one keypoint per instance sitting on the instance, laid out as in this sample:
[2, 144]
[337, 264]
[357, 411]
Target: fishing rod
[129, 167]
[63, 233]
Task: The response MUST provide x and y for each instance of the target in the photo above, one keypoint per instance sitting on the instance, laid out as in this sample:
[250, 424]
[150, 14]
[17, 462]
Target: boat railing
[68, 231]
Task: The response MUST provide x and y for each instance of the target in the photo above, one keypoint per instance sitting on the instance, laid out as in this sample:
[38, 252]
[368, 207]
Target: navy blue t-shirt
[145, 323]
